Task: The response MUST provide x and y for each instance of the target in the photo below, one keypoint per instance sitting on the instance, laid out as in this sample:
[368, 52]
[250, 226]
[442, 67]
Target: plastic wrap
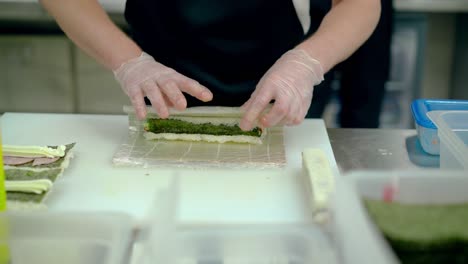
[137, 151]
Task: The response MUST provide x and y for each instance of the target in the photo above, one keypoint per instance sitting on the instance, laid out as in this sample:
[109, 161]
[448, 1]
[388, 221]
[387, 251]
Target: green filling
[55, 164]
[183, 127]
[423, 233]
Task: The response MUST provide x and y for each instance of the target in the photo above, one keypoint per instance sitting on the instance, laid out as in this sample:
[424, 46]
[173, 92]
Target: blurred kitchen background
[42, 71]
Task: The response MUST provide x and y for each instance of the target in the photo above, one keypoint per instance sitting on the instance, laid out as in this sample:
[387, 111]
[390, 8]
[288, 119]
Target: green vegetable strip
[183, 127]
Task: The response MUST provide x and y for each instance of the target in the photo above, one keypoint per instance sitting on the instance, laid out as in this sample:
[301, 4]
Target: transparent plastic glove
[143, 76]
[289, 82]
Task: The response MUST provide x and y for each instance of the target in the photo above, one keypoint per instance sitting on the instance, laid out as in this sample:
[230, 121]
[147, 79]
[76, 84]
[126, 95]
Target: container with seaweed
[426, 221]
[423, 233]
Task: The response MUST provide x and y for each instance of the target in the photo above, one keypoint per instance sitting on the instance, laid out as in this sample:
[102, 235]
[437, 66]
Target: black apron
[226, 45]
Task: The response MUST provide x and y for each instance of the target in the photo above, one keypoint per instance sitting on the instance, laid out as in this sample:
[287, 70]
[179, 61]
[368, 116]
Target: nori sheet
[26, 197]
[24, 175]
[28, 175]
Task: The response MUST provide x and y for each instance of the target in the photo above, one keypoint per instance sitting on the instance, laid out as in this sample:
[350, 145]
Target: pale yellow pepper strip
[33, 151]
[320, 182]
[33, 186]
[4, 249]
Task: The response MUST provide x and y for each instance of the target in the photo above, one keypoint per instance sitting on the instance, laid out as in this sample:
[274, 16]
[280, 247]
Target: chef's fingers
[172, 92]
[259, 103]
[299, 117]
[294, 119]
[278, 112]
[295, 115]
[153, 93]
[137, 99]
[168, 102]
[194, 88]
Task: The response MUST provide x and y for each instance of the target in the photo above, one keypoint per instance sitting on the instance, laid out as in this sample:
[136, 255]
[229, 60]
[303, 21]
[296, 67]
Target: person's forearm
[90, 28]
[346, 27]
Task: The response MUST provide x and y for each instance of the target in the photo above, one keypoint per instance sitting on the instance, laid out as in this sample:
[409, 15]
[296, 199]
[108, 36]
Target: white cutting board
[91, 183]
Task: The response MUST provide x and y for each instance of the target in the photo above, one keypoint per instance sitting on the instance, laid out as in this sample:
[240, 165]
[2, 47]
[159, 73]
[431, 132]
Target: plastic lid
[421, 107]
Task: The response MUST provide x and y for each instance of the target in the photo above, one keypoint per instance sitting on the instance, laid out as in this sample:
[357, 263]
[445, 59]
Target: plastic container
[453, 133]
[72, 238]
[170, 241]
[427, 130]
[359, 240]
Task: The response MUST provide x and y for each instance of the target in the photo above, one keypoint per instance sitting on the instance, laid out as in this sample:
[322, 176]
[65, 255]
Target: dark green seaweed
[423, 233]
[175, 126]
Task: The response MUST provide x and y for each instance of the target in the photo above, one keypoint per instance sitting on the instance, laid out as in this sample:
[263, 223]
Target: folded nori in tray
[176, 126]
[423, 233]
[56, 164]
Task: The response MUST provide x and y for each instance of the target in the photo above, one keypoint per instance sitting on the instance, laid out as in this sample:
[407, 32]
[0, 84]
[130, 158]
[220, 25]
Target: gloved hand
[289, 82]
[162, 85]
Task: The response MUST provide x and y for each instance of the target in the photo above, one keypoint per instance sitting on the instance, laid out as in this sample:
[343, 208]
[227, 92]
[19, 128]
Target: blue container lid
[420, 107]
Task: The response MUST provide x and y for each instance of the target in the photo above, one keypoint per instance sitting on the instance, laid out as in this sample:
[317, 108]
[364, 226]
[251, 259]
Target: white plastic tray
[171, 240]
[72, 238]
[359, 240]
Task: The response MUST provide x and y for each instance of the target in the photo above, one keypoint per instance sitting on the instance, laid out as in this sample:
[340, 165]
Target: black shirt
[226, 45]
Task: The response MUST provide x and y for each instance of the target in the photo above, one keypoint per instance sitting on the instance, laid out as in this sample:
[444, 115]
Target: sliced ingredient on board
[29, 183]
[319, 181]
[34, 151]
[31, 186]
[45, 162]
[423, 233]
[10, 160]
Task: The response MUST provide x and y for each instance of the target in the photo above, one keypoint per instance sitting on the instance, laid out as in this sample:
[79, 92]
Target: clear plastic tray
[170, 240]
[427, 130]
[359, 240]
[453, 134]
[72, 238]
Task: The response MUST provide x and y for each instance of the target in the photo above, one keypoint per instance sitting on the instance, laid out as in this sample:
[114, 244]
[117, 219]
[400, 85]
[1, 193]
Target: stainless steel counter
[379, 149]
